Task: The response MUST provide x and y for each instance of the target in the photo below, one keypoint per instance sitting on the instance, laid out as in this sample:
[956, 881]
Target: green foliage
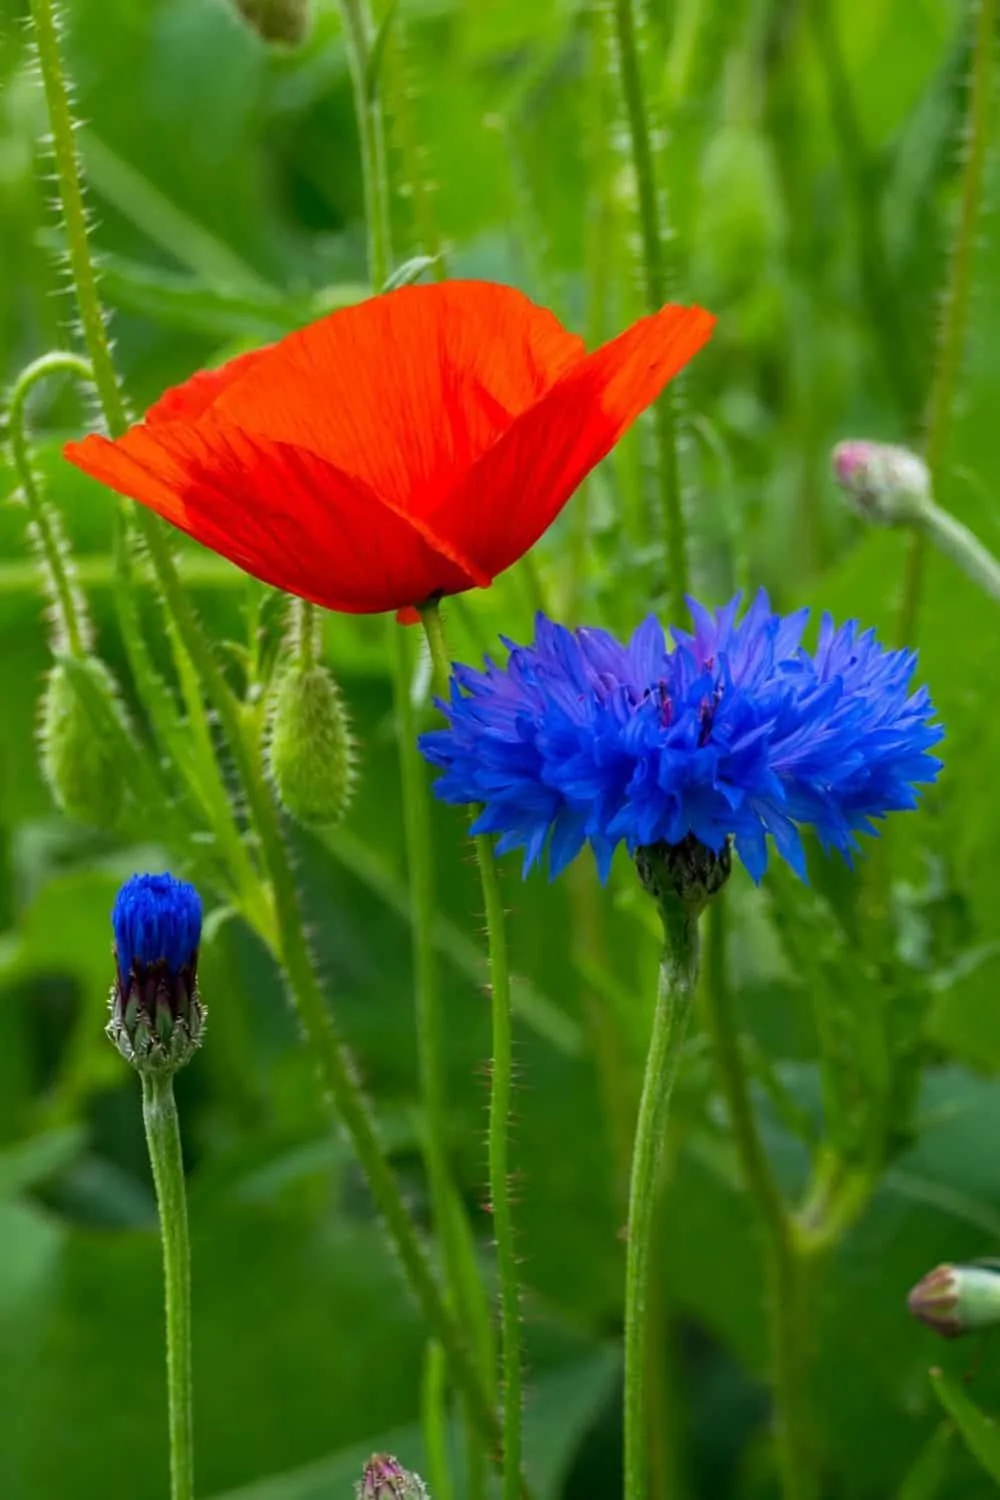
[811, 159]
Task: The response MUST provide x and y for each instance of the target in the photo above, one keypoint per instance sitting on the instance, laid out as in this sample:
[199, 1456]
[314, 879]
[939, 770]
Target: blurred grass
[812, 158]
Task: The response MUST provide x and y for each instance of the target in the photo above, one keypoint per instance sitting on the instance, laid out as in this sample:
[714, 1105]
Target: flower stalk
[159, 1113]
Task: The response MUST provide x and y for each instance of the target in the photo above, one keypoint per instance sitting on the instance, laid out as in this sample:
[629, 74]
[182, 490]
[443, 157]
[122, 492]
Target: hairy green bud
[82, 723]
[310, 748]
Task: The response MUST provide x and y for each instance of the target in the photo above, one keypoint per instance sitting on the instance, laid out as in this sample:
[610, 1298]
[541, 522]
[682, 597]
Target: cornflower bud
[310, 747]
[384, 1478]
[957, 1299]
[885, 484]
[689, 871]
[157, 1017]
[80, 756]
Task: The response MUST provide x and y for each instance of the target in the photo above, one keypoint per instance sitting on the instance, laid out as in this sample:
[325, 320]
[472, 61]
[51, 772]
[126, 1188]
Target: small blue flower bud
[958, 1299]
[385, 1478]
[156, 1013]
[885, 484]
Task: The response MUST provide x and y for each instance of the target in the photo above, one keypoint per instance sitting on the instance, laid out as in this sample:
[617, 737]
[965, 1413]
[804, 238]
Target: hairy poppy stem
[678, 978]
[787, 1312]
[159, 1113]
[656, 291]
[499, 1123]
[70, 610]
[941, 403]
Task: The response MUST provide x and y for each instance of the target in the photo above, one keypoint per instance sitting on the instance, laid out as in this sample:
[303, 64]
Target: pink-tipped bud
[957, 1299]
[886, 484]
[385, 1478]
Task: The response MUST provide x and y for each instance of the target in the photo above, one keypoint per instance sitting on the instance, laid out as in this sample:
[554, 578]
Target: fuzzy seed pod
[80, 756]
[310, 749]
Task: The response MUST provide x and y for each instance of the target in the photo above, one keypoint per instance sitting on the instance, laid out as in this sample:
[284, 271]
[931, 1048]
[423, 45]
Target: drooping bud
[157, 1017]
[80, 734]
[277, 20]
[884, 483]
[310, 748]
[688, 872]
[384, 1478]
[957, 1299]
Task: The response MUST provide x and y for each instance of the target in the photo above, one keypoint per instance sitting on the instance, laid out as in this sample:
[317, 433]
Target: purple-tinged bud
[385, 1478]
[157, 1017]
[885, 484]
[958, 1299]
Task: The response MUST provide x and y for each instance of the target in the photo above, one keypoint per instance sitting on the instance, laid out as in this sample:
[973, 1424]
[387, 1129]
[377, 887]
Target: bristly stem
[356, 19]
[678, 978]
[159, 1113]
[656, 290]
[941, 402]
[784, 1267]
[499, 1123]
[69, 606]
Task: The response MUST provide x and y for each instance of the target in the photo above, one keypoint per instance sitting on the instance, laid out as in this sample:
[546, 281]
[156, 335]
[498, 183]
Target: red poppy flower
[414, 445]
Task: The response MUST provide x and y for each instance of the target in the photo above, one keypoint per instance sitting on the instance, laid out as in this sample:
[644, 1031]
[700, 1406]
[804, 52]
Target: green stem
[69, 605]
[357, 23]
[678, 979]
[499, 1122]
[656, 288]
[941, 402]
[950, 536]
[305, 629]
[785, 1271]
[159, 1113]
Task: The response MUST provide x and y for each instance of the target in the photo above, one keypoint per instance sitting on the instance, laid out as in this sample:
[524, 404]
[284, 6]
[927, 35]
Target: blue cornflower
[156, 1012]
[734, 732]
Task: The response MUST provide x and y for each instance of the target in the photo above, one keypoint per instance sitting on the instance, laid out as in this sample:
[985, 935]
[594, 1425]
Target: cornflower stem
[159, 1113]
[678, 978]
[655, 279]
[954, 539]
[499, 1119]
[941, 402]
[68, 604]
[784, 1266]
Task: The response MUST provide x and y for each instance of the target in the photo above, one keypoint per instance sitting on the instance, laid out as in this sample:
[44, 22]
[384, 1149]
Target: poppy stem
[358, 39]
[159, 1113]
[500, 1097]
[951, 348]
[783, 1261]
[656, 291]
[678, 978]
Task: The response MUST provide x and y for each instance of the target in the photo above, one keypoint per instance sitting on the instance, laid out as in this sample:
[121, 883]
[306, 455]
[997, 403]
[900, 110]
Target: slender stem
[500, 1094]
[785, 1271]
[159, 1113]
[656, 288]
[357, 23]
[434, 1420]
[70, 610]
[677, 982]
[950, 536]
[941, 402]
[306, 631]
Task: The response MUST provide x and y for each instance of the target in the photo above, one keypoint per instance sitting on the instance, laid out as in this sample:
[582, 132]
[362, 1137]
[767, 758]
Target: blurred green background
[812, 155]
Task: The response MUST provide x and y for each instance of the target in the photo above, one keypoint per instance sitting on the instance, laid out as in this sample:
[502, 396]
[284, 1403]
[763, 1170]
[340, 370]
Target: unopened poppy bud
[958, 1299]
[310, 748]
[157, 1017]
[80, 754]
[385, 1478]
[885, 484]
[277, 20]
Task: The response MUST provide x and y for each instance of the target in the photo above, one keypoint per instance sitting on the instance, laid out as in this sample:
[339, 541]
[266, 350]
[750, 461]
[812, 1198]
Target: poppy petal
[278, 512]
[406, 391]
[187, 402]
[516, 490]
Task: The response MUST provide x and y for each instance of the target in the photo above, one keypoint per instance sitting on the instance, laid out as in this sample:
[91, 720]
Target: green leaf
[981, 1434]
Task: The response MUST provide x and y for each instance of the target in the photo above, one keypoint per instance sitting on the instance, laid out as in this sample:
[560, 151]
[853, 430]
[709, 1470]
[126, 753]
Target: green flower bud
[958, 1299]
[688, 872]
[157, 1018]
[885, 484]
[310, 749]
[385, 1478]
[277, 20]
[80, 754]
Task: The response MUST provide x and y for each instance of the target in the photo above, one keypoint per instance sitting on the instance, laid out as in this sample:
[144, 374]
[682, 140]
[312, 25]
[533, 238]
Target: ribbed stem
[785, 1270]
[69, 607]
[941, 403]
[655, 277]
[159, 1113]
[678, 978]
[500, 1095]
